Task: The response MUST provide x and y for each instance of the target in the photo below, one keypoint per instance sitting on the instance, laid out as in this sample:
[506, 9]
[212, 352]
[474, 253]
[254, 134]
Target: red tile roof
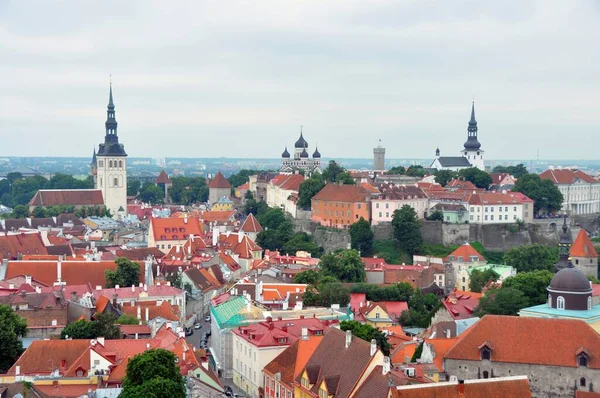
[75, 197]
[251, 224]
[502, 387]
[246, 247]
[175, 228]
[12, 245]
[525, 340]
[461, 305]
[290, 182]
[133, 329]
[369, 188]
[217, 215]
[521, 198]
[164, 310]
[341, 193]
[219, 182]
[466, 251]
[456, 183]
[65, 390]
[163, 178]
[583, 246]
[492, 198]
[45, 356]
[567, 176]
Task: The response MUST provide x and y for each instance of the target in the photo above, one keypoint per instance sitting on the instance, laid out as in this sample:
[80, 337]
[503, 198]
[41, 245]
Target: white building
[109, 165]
[499, 208]
[393, 197]
[300, 161]
[470, 156]
[581, 192]
[282, 190]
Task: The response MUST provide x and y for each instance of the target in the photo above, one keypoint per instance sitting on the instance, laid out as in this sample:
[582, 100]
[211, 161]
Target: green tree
[310, 277]
[188, 190]
[175, 279]
[126, 274]
[20, 211]
[104, 326]
[12, 329]
[81, 329]
[127, 319]
[543, 192]
[153, 373]
[479, 279]
[367, 333]
[345, 265]
[443, 177]
[516, 171]
[436, 215]
[531, 257]
[332, 171]
[333, 293]
[361, 237]
[417, 354]
[407, 229]
[398, 170]
[478, 177]
[151, 193]
[14, 176]
[309, 188]
[421, 309]
[133, 187]
[505, 301]
[272, 218]
[533, 284]
[255, 207]
[38, 212]
[241, 177]
[301, 241]
[203, 193]
[416, 171]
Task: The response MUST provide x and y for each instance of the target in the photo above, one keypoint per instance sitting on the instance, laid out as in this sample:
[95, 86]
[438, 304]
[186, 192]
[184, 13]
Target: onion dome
[317, 154]
[304, 154]
[285, 153]
[301, 143]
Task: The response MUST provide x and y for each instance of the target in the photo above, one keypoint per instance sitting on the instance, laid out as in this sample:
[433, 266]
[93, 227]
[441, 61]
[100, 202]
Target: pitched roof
[506, 336]
[454, 161]
[251, 224]
[293, 359]
[56, 197]
[466, 251]
[583, 246]
[219, 182]
[246, 247]
[12, 245]
[279, 291]
[493, 198]
[202, 279]
[369, 187]
[290, 182]
[140, 253]
[163, 178]
[175, 228]
[567, 176]
[461, 305]
[499, 387]
[45, 356]
[462, 184]
[440, 347]
[401, 192]
[165, 310]
[217, 215]
[341, 193]
[64, 390]
[332, 359]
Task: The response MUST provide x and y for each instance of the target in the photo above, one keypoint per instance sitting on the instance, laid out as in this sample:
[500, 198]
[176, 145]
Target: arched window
[120, 163]
[583, 361]
[560, 302]
[116, 182]
[549, 300]
[582, 382]
[486, 374]
[589, 302]
[110, 164]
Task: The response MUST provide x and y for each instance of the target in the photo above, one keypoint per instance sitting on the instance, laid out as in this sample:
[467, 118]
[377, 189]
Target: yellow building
[223, 204]
[381, 313]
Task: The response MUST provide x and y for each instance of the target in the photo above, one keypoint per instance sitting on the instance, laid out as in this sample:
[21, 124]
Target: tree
[531, 257]
[12, 329]
[398, 170]
[516, 171]
[301, 241]
[153, 373]
[478, 177]
[345, 265]
[126, 274]
[272, 218]
[102, 326]
[241, 177]
[437, 215]
[12, 177]
[309, 277]
[421, 309]
[20, 211]
[443, 177]
[361, 237]
[505, 301]
[479, 279]
[308, 189]
[81, 329]
[151, 193]
[127, 319]
[416, 171]
[543, 192]
[367, 333]
[333, 293]
[407, 229]
[332, 171]
[38, 212]
[533, 284]
[133, 187]
[175, 279]
[255, 207]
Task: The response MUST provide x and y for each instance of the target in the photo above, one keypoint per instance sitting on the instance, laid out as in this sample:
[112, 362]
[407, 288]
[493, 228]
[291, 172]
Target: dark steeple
[564, 247]
[93, 163]
[472, 143]
[317, 154]
[285, 153]
[437, 152]
[111, 146]
[301, 143]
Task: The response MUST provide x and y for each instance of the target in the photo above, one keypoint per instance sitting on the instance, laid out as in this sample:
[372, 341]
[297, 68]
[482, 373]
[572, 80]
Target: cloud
[237, 78]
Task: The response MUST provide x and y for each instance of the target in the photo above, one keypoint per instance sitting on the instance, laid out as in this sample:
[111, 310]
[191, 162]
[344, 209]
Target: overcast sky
[237, 79]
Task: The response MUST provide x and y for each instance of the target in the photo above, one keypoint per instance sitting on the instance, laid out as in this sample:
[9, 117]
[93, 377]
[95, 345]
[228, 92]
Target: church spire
[94, 158]
[111, 123]
[472, 142]
[564, 247]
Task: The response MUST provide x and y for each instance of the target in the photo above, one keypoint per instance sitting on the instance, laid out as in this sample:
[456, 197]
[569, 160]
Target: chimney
[270, 325]
[386, 368]
[38, 289]
[28, 279]
[11, 286]
[348, 338]
[147, 313]
[185, 220]
[98, 287]
[136, 336]
[59, 271]
[100, 340]
[17, 370]
[461, 387]
[373, 347]
[114, 300]
[132, 288]
[147, 346]
[448, 333]
[240, 237]
[117, 286]
[145, 287]
[304, 333]
[157, 270]
[74, 296]
[139, 312]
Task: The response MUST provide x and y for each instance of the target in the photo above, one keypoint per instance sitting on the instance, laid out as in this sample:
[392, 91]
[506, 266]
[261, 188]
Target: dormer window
[304, 382]
[181, 229]
[323, 393]
[167, 230]
[485, 350]
[282, 340]
[582, 360]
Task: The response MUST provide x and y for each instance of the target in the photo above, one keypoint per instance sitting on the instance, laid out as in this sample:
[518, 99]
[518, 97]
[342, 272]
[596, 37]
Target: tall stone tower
[472, 150]
[379, 158]
[111, 165]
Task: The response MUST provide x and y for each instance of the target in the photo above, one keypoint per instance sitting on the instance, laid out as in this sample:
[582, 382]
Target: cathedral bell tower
[111, 165]
[472, 150]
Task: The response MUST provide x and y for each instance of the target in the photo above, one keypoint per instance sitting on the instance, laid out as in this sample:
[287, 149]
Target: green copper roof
[500, 269]
[228, 312]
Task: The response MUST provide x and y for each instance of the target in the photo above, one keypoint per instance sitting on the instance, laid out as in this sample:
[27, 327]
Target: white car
[207, 318]
[197, 326]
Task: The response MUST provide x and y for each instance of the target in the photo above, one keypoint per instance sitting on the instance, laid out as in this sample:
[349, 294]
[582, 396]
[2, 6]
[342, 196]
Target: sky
[239, 78]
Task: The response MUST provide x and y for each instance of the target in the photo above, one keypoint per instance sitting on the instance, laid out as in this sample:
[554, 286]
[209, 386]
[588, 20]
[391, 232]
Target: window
[514, 217]
[110, 164]
[492, 217]
[322, 393]
[515, 208]
[486, 217]
[582, 382]
[583, 361]
[492, 209]
[486, 374]
[387, 205]
[463, 279]
[120, 163]
[377, 315]
[486, 354]
[486, 209]
[560, 303]
[471, 217]
[380, 214]
[304, 382]
[101, 163]
[500, 209]
[377, 205]
[387, 214]
[472, 209]
[80, 373]
[359, 205]
[506, 216]
[550, 300]
[116, 182]
[506, 208]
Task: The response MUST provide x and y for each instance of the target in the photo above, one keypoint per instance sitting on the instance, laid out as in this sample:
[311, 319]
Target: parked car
[189, 332]
[197, 326]
[207, 318]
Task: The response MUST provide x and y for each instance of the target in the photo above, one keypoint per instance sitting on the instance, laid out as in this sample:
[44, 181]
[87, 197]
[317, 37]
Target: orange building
[340, 205]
